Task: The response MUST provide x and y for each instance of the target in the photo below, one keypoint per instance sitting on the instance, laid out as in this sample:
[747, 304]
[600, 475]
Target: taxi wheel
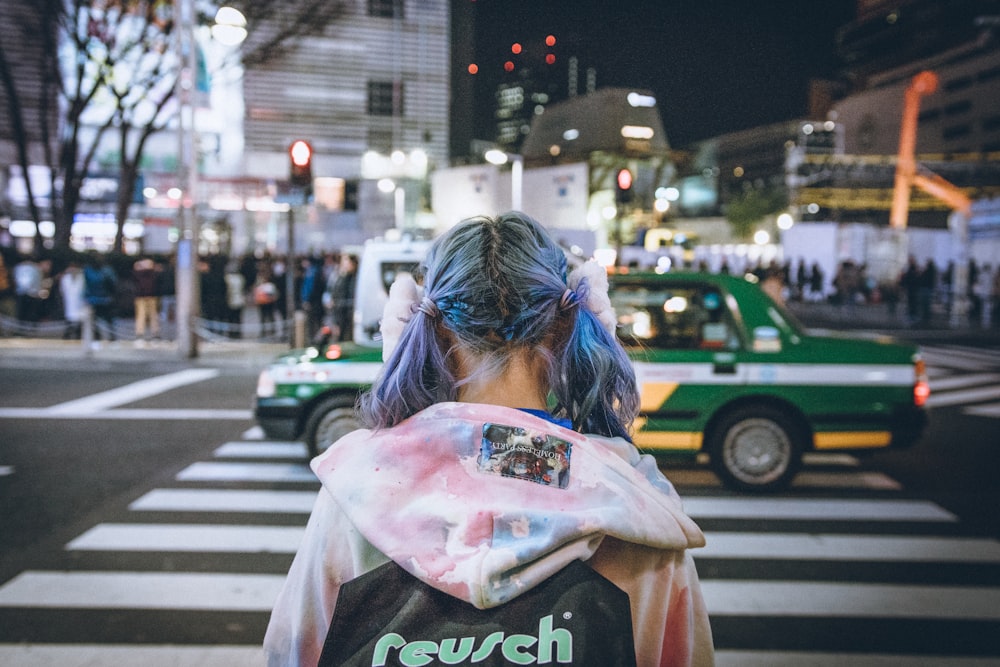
[755, 449]
[328, 422]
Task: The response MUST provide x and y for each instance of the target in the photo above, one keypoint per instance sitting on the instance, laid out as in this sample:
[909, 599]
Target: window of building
[958, 84]
[385, 98]
[386, 9]
[956, 131]
[991, 123]
[929, 115]
[988, 74]
[956, 108]
[681, 318]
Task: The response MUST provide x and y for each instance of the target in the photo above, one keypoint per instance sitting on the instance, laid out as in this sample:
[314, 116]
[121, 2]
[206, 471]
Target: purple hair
[498, 285]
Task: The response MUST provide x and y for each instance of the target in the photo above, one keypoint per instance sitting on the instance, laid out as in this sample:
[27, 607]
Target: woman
[499, 346]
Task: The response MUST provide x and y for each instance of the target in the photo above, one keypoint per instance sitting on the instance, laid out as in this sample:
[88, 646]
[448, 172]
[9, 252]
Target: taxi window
[680, 317]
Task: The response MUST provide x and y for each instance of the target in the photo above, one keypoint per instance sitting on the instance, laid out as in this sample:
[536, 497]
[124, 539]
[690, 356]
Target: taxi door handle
[724, 368]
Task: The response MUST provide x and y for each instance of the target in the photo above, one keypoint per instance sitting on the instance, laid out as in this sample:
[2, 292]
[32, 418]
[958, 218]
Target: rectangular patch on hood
[534, 456]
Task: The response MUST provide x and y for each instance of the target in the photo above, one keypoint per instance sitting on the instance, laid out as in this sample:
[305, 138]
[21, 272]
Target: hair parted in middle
[493, 287]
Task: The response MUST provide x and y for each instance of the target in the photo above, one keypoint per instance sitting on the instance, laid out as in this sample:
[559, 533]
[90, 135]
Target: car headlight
[265, 384]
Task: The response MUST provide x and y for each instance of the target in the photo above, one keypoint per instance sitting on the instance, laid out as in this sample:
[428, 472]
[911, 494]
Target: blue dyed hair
[497, 285]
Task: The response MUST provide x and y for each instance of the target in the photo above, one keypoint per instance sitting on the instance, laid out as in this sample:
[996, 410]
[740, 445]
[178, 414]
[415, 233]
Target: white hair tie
[598, 302]
[404, 298]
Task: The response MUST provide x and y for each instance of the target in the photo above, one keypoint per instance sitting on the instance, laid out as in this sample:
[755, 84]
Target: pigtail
[593, 380]
[415, 375]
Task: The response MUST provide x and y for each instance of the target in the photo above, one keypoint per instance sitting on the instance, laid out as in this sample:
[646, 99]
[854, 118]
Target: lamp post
[229, 30]
[499, 157]
[188, 292]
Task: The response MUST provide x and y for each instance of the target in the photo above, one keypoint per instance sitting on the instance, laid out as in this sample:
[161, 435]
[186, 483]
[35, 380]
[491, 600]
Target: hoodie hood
[418, 493]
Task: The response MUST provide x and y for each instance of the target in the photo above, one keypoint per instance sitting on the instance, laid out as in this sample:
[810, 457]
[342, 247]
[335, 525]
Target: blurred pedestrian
[909, 284]
[100, 290]
[441, 484]
[166, 279]
[265, 297]
[995, 297]
[342, 297]
[146, 299]
[926, 284]
[235, 299]
[71, 290]
[28, 287]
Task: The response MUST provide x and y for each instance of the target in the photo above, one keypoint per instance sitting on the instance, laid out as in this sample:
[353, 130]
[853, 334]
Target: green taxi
[723, 370]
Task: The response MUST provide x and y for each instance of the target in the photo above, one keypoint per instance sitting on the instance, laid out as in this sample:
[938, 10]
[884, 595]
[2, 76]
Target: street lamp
[499, 157]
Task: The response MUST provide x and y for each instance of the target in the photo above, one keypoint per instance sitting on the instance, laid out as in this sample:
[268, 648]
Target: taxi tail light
[921, 386]
[265, 385]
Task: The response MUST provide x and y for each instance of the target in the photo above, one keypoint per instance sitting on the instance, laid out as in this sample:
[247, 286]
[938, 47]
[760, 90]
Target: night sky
[715, 66]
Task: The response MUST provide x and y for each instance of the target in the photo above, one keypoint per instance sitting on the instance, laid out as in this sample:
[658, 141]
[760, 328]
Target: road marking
[225, 500]
[263, 450]
[991, 410]
[80, 655]
[957, 360]
[216, 591]
[212, 471]
[151, 414]
[204, 538]
[958, 397]
[725, 658]
[901, 548]
[815, 509]
[850, 600]
[133, 392]
[6, 470]
[804, 480]
[960, 381]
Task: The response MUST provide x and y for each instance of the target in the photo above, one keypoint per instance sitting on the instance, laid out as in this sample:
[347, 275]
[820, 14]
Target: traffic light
[300, 153]
[623, 186]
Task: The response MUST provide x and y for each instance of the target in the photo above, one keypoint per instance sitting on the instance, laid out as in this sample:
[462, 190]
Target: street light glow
[495, 156]
[230, 26]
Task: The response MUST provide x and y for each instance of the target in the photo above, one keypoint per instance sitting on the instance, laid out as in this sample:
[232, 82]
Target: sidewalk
[20, 352]
[152, 355]
[877, 318]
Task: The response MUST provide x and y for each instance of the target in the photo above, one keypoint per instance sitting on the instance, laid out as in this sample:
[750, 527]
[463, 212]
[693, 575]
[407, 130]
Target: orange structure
[907, 175]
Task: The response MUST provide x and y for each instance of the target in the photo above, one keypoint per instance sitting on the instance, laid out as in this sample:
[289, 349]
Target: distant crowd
[919, 293]
[135, 296]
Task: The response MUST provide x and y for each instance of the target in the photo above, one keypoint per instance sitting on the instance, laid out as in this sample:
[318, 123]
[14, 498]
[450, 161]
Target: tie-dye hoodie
[426, 495]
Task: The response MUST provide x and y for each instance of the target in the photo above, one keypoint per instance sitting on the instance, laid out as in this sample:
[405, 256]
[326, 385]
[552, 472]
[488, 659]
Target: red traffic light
[300, 169]
[301, 153]
[624, 179]
[623, 186]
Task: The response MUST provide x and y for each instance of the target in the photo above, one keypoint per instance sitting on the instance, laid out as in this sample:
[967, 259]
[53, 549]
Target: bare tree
[115, 68]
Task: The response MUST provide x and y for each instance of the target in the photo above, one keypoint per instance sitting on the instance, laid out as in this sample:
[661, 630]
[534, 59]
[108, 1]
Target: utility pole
[188, 287]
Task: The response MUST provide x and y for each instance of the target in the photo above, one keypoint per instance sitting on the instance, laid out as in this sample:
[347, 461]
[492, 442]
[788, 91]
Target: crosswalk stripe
[961, 381]
[726, 658]
[133, 392]
[991, 410]
[792, 546]
[216, 591]
[189, 537]
[262, 450]
[967, 396]
[214, 471]
[225, 500]
[850, 600]
[957, 360]
[90, 655]
[804, 480]
[815, 509]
